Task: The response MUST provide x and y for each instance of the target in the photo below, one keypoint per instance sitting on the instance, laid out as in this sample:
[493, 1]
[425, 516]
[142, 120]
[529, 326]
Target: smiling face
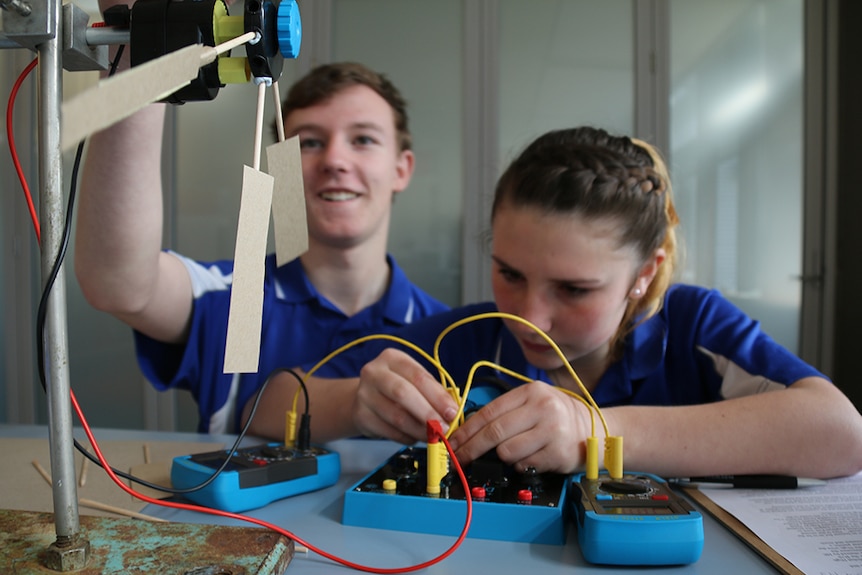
[567, 275]
[351, 166]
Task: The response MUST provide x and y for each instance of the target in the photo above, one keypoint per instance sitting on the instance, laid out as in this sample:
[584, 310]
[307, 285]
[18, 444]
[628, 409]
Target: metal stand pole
[142, 547]
[70, 550]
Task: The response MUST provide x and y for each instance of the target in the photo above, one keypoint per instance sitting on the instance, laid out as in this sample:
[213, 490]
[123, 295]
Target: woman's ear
[647, 273]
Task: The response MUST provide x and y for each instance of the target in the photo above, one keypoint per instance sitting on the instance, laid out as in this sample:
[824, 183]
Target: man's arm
[118, 259]
[393, 398]
[330, 404]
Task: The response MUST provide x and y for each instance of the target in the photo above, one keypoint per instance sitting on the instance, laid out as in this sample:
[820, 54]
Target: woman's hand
[533, 425]
[396, 396]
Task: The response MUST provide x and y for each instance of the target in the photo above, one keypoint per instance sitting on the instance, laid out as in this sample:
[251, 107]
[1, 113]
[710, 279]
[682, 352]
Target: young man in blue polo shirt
[356, 155]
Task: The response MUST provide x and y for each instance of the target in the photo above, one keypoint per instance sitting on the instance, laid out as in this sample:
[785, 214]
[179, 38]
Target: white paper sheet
[818, 529]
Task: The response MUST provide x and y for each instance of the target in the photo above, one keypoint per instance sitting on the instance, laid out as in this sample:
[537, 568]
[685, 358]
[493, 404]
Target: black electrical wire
[299, 379]
[40, 329]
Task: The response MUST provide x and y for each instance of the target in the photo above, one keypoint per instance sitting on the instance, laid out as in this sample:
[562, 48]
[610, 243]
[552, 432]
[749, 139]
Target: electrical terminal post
[290, 427]
[614, 456]
[592, 456]
[437, 458]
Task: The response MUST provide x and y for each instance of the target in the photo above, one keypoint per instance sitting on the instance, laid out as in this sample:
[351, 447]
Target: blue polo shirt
[698, 349]
[300, 327]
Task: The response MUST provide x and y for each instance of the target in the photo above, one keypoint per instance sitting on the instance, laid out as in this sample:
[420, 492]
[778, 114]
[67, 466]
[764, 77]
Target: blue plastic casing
[654, 526]
[253, 479]
[366, 504]
[289, 28]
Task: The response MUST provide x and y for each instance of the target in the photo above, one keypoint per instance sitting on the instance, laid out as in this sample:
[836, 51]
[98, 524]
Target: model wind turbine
[270, 32]
[174, 45]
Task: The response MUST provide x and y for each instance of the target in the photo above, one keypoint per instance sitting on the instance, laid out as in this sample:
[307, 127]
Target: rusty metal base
[131, 546]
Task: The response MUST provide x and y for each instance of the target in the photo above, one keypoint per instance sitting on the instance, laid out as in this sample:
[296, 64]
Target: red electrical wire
[11, 138]
[207, 510]
[276, 528]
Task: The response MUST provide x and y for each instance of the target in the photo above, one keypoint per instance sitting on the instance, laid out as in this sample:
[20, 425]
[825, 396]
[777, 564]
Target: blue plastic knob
[289, 28]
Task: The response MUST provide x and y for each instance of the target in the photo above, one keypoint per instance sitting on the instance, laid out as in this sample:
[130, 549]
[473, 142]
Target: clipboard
[739, 529]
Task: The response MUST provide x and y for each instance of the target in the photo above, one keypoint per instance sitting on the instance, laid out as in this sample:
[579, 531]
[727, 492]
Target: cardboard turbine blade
[120, 96]
[284, 164]
[242, 350]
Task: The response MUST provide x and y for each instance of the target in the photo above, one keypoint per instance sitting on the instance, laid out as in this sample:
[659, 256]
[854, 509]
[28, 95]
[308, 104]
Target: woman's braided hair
[588, 172]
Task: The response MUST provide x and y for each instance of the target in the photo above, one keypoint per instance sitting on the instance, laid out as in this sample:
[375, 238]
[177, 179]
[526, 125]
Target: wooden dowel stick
[119, 510]
[213, 51]
[279, 120]
[95, 504]
[258, 125]
[82, 479]
[45, 475]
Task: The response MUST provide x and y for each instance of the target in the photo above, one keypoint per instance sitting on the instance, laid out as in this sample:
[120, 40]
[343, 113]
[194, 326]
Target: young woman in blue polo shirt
[584, 248]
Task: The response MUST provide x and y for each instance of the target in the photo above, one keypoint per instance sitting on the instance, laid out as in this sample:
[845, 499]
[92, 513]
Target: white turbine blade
[242, 350]
[122, 95]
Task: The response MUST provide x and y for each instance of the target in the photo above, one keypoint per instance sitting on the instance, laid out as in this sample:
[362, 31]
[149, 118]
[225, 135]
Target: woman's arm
[808, 429]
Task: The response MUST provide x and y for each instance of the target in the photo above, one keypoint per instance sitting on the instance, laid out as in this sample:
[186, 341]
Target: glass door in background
[736, 152]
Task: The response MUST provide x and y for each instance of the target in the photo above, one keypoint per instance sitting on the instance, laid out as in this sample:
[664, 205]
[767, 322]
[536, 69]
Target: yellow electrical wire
[614, 448]
[516, 375]
[589, 401]
[445, 377]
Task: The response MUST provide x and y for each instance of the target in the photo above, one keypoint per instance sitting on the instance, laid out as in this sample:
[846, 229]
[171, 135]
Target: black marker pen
[748, 481]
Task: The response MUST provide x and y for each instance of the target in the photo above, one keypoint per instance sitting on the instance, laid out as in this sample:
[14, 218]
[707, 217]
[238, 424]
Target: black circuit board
[499, 482]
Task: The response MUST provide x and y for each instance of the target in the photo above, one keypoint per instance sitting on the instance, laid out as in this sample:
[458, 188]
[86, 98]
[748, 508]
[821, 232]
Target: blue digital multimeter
[255, 476]
[634, 520]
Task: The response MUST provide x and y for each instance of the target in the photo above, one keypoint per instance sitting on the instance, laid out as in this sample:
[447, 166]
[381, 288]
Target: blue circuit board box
[527, 508]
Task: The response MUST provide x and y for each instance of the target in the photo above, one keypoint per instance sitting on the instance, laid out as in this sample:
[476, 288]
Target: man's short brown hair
[325, 81]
